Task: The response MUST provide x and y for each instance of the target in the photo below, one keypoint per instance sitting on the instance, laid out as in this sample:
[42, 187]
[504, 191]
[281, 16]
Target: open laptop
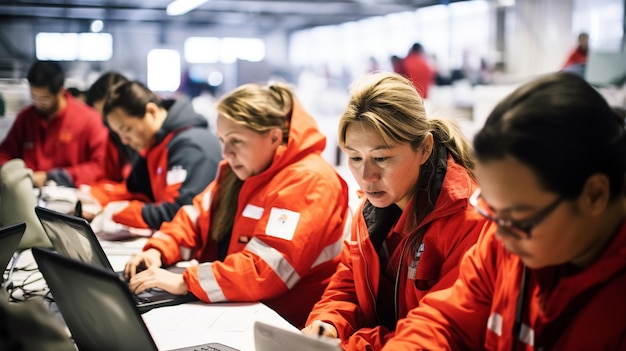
[73, 237]
[10, 237]
[98, 308]
[271, 338]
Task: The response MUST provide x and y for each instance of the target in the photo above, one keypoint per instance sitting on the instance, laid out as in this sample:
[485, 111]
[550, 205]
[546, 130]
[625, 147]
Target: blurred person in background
[418, 69]
[59, 138]
[119, 157]
[577, 59]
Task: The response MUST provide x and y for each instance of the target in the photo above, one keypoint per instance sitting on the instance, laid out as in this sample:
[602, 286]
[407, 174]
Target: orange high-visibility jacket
[563, 309]
[287, 233]
[351, 300]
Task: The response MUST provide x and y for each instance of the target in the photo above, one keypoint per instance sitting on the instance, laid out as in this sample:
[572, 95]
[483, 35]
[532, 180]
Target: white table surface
[181, 325]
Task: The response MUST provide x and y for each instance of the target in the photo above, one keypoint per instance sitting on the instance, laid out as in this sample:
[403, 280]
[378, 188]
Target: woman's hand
[319, 328]
[155, 277]
[150, 258]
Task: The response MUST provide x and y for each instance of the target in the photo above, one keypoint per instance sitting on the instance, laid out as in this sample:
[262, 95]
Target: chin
[532, 263]
[241, 175]
[379, 203]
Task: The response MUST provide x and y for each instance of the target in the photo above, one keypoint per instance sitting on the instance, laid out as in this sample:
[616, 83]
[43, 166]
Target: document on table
[193, 323]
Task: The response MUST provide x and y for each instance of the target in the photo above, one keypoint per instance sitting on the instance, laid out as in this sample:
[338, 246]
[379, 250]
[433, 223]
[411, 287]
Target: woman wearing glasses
[551, 160]
[415, 222]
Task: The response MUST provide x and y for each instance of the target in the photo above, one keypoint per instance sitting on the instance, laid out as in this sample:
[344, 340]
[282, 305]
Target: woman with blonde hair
[270, 227]
[415, 222]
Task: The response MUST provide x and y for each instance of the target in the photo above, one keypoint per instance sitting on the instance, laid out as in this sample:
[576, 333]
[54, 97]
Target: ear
[151, 108]
[152, 111]
[426, 148]
[61, 93]
[276, 135]
[596, 194]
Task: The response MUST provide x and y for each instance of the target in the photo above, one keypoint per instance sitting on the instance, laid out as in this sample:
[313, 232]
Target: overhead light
[96, 26]
[181, 7]
[506, 3]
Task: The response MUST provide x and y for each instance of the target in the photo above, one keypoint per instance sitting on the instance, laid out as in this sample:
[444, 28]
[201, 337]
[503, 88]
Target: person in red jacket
[178, 158]
[415, 66]
[272, 224]
[551, 162]
[59, 138]
[577, 59]
[119, 157]
[414, 223]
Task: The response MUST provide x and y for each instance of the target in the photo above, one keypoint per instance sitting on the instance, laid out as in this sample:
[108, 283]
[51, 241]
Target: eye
[380, 159]
[356, 159]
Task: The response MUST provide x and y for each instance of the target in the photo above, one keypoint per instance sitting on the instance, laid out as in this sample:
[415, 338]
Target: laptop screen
[10, 237]
[97, 307]
[73, 237]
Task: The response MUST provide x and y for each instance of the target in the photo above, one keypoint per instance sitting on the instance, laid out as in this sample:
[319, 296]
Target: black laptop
[73, 237]
[10, 237]
[97, 307]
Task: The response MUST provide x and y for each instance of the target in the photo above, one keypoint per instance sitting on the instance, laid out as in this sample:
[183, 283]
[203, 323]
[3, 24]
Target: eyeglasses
[519, 229]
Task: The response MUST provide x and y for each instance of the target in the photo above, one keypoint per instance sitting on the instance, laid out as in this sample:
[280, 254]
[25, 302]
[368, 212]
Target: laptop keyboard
[208, 347]
[141, 299]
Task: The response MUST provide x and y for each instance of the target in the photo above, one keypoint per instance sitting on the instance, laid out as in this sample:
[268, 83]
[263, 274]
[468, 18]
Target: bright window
[95, 46]
[202, 50]
[56, 46]
[74, 46]
[163, 70]
[225, 50]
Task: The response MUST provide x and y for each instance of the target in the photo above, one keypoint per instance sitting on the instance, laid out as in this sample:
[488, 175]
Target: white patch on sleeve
[176, 175]
[282, 223]
[251, 211]
[494, 323]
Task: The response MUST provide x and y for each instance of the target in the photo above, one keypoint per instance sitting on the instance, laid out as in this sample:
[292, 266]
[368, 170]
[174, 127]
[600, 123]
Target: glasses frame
[516, 227]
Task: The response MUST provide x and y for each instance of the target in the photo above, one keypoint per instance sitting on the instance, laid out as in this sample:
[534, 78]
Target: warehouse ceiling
[255, 15]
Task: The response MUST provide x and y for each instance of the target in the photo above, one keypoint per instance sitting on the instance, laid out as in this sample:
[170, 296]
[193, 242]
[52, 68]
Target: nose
[227, 151]
[370, 172]
[507, 234]
[125, 139]
[39, 104]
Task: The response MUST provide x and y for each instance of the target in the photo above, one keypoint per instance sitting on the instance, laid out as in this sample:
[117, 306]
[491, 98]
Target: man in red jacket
[418, 70]
[579, 54]
[59, 138]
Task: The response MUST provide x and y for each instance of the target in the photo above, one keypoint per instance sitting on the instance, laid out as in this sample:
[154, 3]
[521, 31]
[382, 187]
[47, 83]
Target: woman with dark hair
[551, 160]
[178, 156]
[415, 222]
[270, 227]
[119, 157]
